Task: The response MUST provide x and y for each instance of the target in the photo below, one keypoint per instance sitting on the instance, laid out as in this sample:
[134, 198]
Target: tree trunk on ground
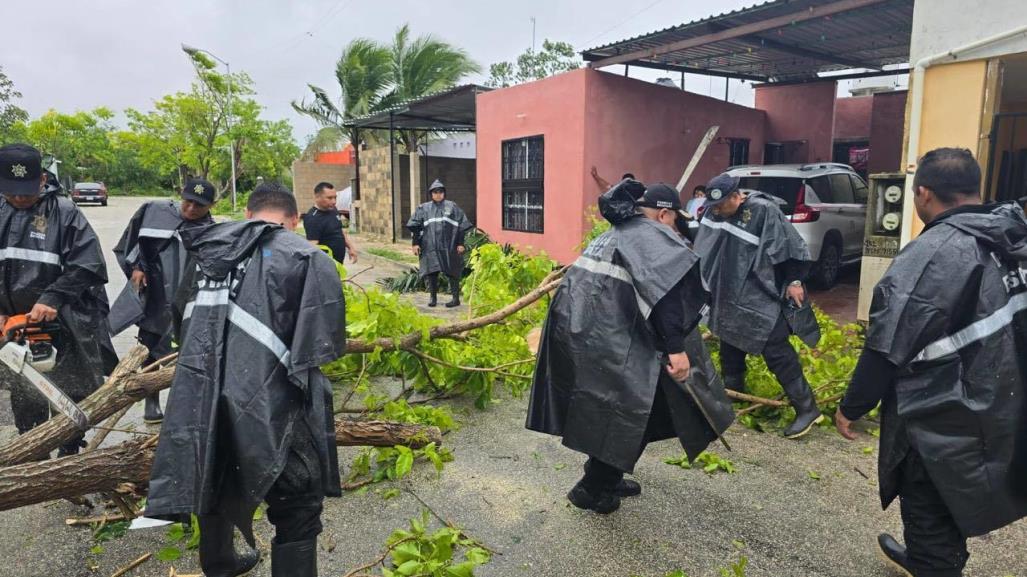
[105, 470]
[123, 388]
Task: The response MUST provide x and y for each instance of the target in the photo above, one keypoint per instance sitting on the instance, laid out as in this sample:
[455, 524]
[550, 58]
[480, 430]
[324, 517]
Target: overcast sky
[80, 54]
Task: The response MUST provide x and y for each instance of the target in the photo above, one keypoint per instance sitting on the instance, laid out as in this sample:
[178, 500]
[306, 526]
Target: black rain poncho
[152, 243]
[738, 255]
[49, 254]
[438, 225]
[959, 392]
[266, 313]
[598, 366]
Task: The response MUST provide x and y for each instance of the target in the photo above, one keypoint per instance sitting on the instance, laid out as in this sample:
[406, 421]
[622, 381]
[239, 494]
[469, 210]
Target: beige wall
[306, 175]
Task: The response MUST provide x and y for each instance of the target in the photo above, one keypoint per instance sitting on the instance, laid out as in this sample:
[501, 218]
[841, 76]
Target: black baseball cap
[199, 190]
[21, 167]
[660, 195]
[720, 188]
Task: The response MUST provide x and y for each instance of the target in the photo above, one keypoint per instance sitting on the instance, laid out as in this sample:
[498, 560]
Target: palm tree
[364, 73]
[423, 66]
[373, 77]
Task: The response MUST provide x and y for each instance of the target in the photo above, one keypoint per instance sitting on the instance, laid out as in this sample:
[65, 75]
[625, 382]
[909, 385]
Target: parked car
[825, 202]
[89, 192]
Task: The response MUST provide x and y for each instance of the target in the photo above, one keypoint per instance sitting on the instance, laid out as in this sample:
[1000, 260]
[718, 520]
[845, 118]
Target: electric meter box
[882, 234]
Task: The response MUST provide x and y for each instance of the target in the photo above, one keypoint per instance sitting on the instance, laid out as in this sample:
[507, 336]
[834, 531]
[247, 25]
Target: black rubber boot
[627, 488]
[806, 412]
[602, 503]
[151, 410]
[893, 554]
[735, 383]
[454, 288]
[217, 550]
[433, 288]
[298, 559]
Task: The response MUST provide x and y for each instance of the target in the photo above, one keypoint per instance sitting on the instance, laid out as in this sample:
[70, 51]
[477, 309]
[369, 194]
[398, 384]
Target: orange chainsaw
[28, 350]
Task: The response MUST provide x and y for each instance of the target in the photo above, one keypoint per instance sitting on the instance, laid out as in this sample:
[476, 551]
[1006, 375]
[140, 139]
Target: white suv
[826, 202]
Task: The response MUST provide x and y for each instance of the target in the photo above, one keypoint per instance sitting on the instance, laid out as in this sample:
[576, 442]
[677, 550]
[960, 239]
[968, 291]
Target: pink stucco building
[538, 142]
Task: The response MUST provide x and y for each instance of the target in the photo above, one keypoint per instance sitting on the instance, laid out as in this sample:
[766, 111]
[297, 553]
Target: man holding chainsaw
[52, 273]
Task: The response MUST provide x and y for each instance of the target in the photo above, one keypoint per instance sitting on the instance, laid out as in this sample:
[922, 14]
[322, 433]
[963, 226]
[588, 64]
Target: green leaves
[422, 552]
[710, 462]
[169, 554]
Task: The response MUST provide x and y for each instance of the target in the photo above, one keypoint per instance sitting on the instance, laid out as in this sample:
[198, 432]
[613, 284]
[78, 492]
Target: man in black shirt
[323, 226]
[945, 356]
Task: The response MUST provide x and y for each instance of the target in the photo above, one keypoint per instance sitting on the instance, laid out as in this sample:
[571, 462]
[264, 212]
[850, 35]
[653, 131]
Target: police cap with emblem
[21, 167]
[720, 188]
[198, 190]
[660, 195]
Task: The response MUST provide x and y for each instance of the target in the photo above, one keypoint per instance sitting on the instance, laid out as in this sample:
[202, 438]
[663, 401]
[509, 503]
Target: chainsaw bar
[16, 357]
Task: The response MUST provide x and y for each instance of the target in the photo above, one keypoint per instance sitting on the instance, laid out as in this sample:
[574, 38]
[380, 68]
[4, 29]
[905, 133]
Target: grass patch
[392, 254]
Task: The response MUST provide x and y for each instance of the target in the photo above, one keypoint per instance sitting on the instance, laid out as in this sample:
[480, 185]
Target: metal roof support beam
[740, 31]
[703, 71]
[757, 41]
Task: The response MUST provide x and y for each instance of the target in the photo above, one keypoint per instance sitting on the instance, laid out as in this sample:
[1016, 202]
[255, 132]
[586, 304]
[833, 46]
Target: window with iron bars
[523, 190]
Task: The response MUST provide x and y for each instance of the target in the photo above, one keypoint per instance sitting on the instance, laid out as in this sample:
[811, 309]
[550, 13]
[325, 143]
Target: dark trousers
[934, 545]
[295, 501]
[782, 360]
[602, 477]
[432, 280]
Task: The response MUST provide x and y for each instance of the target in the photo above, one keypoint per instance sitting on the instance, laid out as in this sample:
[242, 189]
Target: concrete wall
[461, 145]
[852, 117]
[553, 108]
[306, 175]
[943, 25]
[886, 122]
[591, 118]
[800, 112]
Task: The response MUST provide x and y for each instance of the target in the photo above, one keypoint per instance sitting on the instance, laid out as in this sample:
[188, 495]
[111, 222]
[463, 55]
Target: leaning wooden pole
[105, 470]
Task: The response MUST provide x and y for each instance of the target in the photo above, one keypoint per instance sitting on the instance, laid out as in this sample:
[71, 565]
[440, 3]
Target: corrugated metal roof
[446, 110]
[870, 37]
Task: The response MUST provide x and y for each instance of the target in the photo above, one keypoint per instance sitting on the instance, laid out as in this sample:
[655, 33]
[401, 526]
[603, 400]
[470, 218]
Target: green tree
[12, 117]
[373, 77]
[554, 58]
[364, 74]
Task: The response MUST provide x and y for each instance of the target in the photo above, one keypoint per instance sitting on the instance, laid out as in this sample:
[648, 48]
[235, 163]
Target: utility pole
[532, 33]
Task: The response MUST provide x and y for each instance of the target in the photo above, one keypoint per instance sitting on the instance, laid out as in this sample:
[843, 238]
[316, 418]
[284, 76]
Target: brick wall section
[458, 174]
[375, 193]
[306, 175]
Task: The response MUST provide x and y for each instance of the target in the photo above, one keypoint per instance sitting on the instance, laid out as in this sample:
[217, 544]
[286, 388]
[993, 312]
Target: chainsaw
[28, 350]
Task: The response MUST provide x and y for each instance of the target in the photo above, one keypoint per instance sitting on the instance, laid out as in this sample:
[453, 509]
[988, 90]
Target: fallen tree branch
[107, 470]
[754, 399]
[124, 570]
[381, 559]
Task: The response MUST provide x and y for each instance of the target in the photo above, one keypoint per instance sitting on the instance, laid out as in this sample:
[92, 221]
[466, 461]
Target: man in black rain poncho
[752, 261]
[621, 362]
[438, 228]
[946, 356]
[51, 267]
[249, 418]
[151, 255]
